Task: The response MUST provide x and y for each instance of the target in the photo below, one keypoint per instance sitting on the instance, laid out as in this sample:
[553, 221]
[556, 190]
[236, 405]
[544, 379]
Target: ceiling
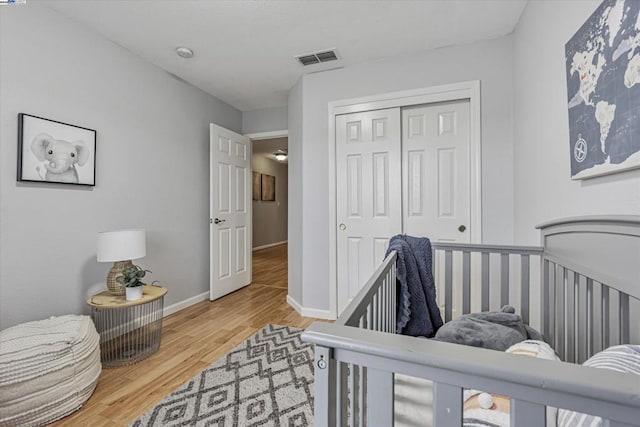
[244, 49]
[268, 147]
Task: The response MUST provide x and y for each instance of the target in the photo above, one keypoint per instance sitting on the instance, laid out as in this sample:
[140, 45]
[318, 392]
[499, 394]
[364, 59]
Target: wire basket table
[129, 330]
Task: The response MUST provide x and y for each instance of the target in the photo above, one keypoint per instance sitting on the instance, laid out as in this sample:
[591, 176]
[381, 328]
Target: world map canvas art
[603, 85]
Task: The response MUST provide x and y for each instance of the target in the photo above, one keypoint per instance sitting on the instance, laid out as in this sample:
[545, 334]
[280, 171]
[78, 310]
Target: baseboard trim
[309, 312]
[270, 245]
[185, 303]
[303, 311]
[295, 304]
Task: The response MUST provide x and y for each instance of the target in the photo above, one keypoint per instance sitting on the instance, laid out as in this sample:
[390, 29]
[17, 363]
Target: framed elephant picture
[52, 151]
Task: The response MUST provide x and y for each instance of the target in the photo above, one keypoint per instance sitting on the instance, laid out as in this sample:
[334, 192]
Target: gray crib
[581, 289]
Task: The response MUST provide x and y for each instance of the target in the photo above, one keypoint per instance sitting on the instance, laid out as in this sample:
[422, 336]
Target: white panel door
[230, 210]
[435, 176]
[436, 180]
[369, 203]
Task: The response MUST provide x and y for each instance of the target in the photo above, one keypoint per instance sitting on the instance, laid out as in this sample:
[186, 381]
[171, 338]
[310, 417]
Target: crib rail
[374, 306]
[503, 260]
[531, 385]
[358, 355]
[582, 316]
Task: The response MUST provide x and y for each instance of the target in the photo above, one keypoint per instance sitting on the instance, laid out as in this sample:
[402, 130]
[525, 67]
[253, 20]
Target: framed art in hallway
[268, 188]
[257, 188]
[55, 152]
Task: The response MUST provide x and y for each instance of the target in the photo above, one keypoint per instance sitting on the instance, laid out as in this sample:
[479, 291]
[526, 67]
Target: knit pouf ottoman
[48, 369]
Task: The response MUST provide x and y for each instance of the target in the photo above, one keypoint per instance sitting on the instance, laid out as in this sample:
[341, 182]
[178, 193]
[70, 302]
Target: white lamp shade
[121, 245]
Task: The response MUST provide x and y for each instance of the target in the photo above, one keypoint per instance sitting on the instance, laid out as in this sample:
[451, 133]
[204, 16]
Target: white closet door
[435, 177]
[436, 181]
[369, 202]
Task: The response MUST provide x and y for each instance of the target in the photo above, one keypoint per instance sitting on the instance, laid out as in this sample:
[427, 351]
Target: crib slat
[354, 401]
[590, 315]
[448, 289]
[583, 320]
[527, 414]
[394, 306]
[484, 298]
[605, 317]
[524, 287]
[342, 393]
[447, 405]
[387, 302]
[374, 312]
[570, 316]
[381, 308]
[379, 403]
[623, 319]
[504, 279]
[545, 309]
[363, 396]
[552, 303]
[561, 279]
[325, 389]
[466, 282]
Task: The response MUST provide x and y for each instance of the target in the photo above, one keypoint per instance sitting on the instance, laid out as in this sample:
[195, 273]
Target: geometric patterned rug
[265, 381]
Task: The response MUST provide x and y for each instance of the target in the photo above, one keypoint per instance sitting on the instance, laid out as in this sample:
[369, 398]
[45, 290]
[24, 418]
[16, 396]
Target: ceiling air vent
[318, 57]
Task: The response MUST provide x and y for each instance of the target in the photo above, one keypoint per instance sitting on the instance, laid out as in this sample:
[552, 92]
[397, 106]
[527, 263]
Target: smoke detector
[184, 52]
[318, 57]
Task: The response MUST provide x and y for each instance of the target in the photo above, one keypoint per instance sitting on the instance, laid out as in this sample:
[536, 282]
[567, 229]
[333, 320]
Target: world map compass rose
[580, 150]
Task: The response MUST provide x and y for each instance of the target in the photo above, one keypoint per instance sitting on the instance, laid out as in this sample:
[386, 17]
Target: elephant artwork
[50, 151]
[61, 158]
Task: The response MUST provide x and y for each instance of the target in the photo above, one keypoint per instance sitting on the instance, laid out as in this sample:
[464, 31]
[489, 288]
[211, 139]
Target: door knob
[462, 228]
[342, 227]
[218, 221]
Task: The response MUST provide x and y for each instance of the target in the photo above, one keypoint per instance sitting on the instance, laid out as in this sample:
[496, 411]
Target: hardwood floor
[192, 339]
[270, 267]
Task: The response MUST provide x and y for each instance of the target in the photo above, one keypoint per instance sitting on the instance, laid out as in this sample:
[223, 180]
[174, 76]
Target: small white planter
[134, 293]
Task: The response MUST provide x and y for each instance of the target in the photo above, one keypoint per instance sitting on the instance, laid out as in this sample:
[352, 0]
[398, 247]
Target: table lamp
[120, 247]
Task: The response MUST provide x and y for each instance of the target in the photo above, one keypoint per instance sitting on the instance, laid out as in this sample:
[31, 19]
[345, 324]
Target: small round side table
[129, 330]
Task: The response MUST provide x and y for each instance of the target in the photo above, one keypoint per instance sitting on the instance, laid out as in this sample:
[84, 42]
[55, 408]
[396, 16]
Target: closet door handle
[462, 228]
[218, 221]
[342, 227]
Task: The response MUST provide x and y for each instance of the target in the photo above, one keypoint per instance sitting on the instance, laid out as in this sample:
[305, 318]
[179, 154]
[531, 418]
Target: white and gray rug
[265, 381]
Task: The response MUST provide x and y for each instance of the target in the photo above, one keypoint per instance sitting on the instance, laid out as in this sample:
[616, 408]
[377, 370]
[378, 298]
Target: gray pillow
[621, 358]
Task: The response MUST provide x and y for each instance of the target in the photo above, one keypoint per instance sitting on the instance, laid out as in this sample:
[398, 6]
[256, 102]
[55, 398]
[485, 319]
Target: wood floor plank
[192, 339]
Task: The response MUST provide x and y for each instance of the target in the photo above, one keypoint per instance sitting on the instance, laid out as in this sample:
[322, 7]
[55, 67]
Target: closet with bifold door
[398, 170]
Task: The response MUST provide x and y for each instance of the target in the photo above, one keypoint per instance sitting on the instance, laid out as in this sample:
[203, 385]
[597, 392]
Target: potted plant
[130, 279]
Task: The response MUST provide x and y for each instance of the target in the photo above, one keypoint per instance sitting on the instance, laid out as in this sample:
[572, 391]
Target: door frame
[450, 92]
[257, 136]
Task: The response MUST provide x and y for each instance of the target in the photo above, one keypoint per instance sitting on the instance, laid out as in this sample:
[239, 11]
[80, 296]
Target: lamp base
[114, 287]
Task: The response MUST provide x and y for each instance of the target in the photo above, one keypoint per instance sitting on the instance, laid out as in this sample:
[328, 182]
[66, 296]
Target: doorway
[269, 163]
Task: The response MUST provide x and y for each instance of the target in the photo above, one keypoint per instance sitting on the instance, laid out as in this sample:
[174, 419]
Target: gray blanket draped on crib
[418, 312]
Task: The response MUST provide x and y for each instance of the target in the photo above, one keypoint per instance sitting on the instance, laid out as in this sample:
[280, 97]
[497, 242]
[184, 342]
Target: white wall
[265, 120]
[490, 62]
[295, 150]
[543, 186]
[270, 218]
[152, 166]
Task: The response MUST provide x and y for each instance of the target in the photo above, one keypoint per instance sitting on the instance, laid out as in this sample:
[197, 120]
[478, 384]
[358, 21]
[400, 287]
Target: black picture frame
[55, 152]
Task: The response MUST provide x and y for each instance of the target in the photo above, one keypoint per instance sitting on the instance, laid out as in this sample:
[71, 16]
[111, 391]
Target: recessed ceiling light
[184, 52]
